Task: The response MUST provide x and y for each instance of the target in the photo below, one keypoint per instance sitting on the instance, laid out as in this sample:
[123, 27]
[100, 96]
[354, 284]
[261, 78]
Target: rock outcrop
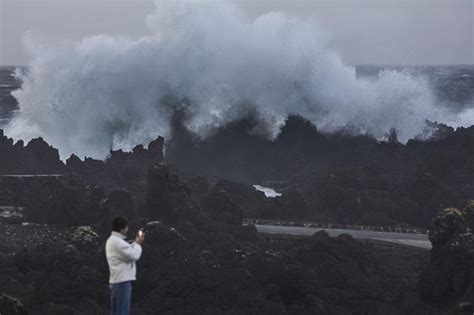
[37, 157]
[57, 200]
[122, 170]
[190, 271]
[377, 182]
[200, 259]
[448, 280]
[119, 202]
[11, 305]
[168, 197]
[221, 208]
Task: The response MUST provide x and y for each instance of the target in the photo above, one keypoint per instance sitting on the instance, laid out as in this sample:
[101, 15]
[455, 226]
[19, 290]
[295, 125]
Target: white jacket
[121, 257]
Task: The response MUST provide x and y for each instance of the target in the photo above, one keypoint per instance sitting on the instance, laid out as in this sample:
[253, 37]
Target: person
[121, 258]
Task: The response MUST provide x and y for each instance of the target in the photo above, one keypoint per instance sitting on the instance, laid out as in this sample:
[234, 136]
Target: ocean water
[8, 83]
[105, 92]
[453, 87]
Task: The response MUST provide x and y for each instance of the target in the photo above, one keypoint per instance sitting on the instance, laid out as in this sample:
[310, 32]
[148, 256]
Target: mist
[108, 92]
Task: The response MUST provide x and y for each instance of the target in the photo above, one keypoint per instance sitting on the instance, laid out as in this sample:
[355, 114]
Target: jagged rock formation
[357, 197]
[123, 170]
[119, 202]
[376, 183]
[221, 208]
[199, 259]
[188, 270]
[64, 200]
[127, 170]
[448, 280]
[168, 197]
[37, 157]
[169, 200]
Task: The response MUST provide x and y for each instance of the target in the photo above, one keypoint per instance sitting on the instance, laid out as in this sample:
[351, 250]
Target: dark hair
[119, 223]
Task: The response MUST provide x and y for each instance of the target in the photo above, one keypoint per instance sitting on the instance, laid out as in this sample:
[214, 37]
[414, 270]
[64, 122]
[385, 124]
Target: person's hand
[140, 238]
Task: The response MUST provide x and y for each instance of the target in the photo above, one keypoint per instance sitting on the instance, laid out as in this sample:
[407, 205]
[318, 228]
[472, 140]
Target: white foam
[269, 192]
[106, 92]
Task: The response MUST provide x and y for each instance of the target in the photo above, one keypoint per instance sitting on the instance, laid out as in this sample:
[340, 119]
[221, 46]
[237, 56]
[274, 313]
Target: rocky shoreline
[202, 257]
[181, 272]
[325, 178]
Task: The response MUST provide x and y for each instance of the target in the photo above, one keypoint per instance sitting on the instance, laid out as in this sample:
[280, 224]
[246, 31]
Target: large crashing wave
[108, 92]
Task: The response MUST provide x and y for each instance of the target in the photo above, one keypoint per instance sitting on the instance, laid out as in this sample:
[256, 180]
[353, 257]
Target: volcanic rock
[64, 200]
[12, 306]
[449, 223]
[168, 197]
[119, 203]
[449, 277]
[222, 208]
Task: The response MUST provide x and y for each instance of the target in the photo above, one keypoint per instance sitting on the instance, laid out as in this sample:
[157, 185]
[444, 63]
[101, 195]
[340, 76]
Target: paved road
[417, 240]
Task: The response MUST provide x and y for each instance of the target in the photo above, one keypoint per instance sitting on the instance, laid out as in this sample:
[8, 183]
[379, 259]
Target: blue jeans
[120, 296]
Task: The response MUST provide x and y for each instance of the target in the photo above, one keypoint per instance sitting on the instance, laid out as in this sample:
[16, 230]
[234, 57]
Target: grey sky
[364, 32]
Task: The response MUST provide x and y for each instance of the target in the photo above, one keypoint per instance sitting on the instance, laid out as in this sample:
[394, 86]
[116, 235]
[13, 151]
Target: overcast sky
[364, 32]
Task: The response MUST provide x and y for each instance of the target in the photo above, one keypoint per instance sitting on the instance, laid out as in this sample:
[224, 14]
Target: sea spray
[106, 92]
